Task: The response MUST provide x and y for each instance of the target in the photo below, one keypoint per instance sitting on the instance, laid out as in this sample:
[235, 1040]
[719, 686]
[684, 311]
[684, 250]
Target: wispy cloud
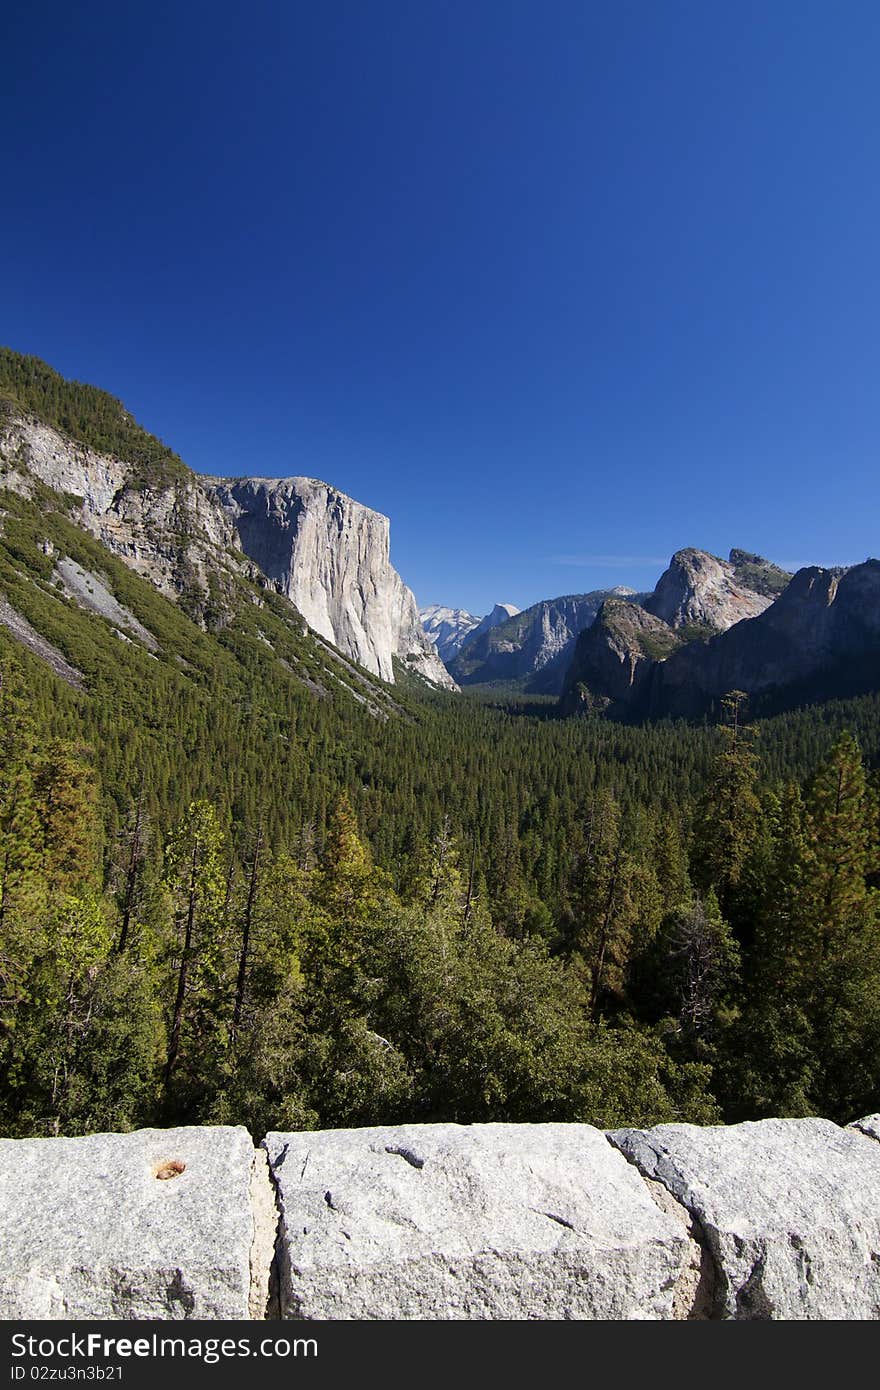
[598, 561]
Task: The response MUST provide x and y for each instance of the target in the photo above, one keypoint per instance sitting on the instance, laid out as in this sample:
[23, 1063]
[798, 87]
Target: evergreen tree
[841, 829]
[614, 904]
[727, 818]
[809, 1038]
[705, 959]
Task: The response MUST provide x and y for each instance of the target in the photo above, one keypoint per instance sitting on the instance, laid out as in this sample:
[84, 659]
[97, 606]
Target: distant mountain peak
[450, 628]
[531, 648]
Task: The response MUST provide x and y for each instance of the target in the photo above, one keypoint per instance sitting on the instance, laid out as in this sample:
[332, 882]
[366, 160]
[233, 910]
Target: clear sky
[560, 287]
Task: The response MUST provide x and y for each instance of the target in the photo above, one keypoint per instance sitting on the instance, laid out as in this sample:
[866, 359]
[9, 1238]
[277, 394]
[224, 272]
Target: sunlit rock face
[701, 590]
[330, 556]
[820, 638]
[171, 531]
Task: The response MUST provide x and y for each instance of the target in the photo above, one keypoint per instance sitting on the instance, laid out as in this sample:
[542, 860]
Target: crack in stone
[551, 1216]
[178, 1291]
[697, 1288]
[263, 1300]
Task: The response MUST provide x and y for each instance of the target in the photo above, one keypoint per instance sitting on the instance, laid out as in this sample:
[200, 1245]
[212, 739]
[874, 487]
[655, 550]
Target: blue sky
[559, 287]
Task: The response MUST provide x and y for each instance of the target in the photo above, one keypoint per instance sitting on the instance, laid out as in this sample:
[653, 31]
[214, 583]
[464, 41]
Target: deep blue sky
[560, 286]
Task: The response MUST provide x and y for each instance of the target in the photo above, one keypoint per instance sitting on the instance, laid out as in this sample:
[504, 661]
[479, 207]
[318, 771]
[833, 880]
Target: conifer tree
[707, 959]
[809, 1038]
[841, 830]
[67, 801]
[613, 899]
[727, 818]
[134, 857]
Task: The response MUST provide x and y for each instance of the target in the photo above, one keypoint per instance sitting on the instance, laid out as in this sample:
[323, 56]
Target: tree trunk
[183, 973]
[131, 873]
[246, 933]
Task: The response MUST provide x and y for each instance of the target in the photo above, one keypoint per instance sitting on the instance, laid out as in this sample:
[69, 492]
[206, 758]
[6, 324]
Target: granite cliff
[450, 628]
[162, 524]
[191, 536]
[330, 556]
[699, 594]
[447, 628]
[820, 638]
[702, 591]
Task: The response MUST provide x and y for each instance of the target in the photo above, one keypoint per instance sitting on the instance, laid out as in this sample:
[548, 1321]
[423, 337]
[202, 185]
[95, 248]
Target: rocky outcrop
[167, 528]
[533, 648]
[91, 592]
[869, 1125]
[762, 1220]
[447, 628]
[701, 591]
[698, 595]
[500, 613]
[330, 555]
[21, 629]
[615, 658]
[818, 639]
[483, 1221]
[34, 448]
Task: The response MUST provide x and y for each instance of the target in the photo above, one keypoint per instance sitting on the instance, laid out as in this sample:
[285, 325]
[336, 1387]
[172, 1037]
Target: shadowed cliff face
[826, 623]
[535, 645]
[330, 556]
[615, 657]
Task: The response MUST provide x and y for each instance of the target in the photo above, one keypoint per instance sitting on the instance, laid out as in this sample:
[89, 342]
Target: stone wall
[764, 1220]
